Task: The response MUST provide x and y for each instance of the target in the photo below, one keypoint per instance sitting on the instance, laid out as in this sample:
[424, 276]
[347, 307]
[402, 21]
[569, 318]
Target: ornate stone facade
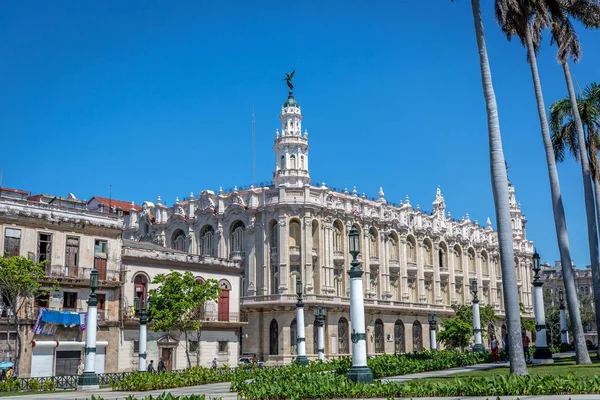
[415, 262]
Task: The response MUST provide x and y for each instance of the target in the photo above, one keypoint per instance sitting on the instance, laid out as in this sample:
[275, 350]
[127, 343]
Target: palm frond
[587, 12]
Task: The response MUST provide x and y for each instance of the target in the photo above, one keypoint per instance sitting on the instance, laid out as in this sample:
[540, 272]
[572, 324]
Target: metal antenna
[253, 147]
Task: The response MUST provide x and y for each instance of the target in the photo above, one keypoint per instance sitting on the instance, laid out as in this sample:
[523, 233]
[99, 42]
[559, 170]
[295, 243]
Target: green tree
[20, 280]
[458, 331]
[499, 180]
[177, 302]
[526, 19]
[455, 333]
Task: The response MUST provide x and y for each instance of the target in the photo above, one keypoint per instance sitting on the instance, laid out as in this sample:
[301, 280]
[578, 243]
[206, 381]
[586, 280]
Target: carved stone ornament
[282, 223]
[307, 221]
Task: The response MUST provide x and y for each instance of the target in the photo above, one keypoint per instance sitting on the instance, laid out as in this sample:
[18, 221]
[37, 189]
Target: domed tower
[518, 220]
[291, 145]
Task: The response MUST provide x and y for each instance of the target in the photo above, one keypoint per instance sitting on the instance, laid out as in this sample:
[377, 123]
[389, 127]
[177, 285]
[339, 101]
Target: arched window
[282, 162]
[292, 162]
[140, 283]
[443, 255]
[273, 338]
[343, 344]
[471, 255]
[428, 252]
[338, 281]
[399, 346]
[411, 250]
[295, 233]
[373, 243]
[294, 337]
[485, 263]
[393, 248]
[206, 240]
[302, 162]
[417, 336]
[237, 237]
[379, 340]
[338, 244]
[178, 240]
[457, 258]
[512, 223]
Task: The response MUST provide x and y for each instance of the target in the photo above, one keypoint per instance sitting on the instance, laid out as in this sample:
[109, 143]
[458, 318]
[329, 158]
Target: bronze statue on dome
[288, 79]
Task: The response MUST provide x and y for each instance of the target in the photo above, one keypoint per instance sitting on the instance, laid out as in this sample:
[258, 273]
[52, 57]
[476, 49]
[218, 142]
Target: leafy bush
[304, 386]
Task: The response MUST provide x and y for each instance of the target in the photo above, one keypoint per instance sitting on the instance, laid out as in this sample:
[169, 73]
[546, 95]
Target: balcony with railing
[411, 266]
[237, 256]
[81, 275]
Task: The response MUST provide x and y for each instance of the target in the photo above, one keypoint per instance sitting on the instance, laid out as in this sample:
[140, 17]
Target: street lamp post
[300, 338]
[564, 334]
[320, 315]
[141, 311]
[360, 371]
[542, 354]
[432, 336]
[89, 380]
[476, 319]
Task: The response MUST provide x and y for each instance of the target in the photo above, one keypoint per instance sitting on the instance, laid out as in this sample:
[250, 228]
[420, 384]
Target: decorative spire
[132, 206]
[191, 195]
[407, 202]
[354, 192]
[235, 189]
[467, 218]
[364, 196]
[220, 189]
[176, 200]
[158, 200]
[380, 194]
[345, 190]
[488, 224]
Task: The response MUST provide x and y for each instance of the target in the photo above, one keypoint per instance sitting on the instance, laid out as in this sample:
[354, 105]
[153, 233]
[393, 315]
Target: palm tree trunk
[500, 190]
[560, 221]
[590, 211]
[594, 168]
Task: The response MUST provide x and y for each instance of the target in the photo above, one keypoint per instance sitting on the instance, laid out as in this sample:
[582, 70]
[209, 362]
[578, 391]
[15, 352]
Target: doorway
[166, 354]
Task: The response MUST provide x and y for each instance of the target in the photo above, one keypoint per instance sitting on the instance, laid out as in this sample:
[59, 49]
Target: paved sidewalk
[444, 372]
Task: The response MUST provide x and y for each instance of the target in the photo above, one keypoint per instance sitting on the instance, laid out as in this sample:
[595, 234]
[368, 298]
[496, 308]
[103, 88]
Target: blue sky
[155, 98]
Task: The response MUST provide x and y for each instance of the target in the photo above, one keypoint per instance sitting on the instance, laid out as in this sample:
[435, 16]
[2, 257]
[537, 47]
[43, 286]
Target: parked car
[247, 361]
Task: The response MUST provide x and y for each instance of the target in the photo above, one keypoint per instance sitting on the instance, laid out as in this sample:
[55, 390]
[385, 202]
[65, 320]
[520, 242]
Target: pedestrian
[254, 360]
[9, 373]
[214, 363]
[494, 346]
[161, 366]
[471, 346]
[151, 366]
[506, 347]
[80, 367]
[3, 375]
[526, 341]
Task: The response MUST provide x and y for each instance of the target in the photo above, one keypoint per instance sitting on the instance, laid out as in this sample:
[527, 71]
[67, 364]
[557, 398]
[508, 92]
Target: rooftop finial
[380, 194]
[288, 79]
[158, 200]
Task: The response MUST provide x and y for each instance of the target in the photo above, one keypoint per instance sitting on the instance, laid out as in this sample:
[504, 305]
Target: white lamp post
[542, 354]
[89, 380]
[141, 311]
[564, 334]
[320, 315]
[360, 371]
[476, 319]
[432, 332]
[301, 338]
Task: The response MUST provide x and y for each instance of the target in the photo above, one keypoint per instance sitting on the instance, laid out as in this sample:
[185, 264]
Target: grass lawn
[559, 367]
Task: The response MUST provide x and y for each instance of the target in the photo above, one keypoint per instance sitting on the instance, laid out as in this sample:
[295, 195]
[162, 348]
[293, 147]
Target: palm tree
[563, 33]
[564, 136]
[500, 189]
[525, 18]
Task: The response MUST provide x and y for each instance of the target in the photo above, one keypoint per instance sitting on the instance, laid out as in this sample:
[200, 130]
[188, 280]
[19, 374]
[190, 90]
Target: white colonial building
[415, 262]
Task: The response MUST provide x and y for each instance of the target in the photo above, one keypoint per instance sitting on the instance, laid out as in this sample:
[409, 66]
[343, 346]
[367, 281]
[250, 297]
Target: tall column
[359, 372]
[420, 284]
[89, 380]
[564, 334]
[476, 319]
[404, 271]
[308, 259]
[251, 258]
[284, 258]
[542, 354]
[301, 338]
